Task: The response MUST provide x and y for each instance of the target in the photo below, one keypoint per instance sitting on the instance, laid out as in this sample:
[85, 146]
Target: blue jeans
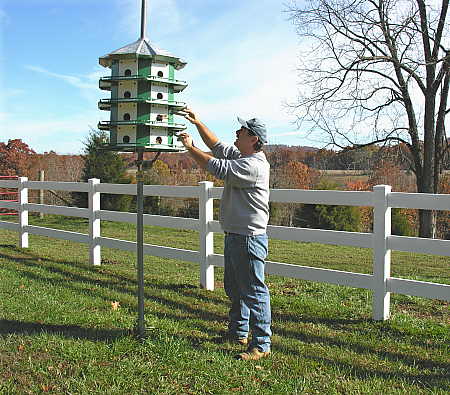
[244, 285]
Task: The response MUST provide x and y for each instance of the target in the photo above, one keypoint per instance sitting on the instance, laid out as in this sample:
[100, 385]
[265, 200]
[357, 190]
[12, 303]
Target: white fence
[381, 240]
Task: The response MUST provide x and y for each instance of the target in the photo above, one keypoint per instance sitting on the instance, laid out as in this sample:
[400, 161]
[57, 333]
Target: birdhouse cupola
[142, 104]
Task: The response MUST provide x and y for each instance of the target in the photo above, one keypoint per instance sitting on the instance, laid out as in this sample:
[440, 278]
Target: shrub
[321, 216]
[109, 167]
[400, 224]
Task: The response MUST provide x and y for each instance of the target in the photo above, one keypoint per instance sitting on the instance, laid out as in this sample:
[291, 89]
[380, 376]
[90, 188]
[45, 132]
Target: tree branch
[440, 29]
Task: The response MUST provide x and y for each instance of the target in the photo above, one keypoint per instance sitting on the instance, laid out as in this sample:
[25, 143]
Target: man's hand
[199, 156]
[208, 137]
[186, 139]
[189, 115]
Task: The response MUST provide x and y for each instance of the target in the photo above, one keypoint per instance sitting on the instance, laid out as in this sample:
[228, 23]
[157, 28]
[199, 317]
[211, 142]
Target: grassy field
[61, 333]
[344, 177]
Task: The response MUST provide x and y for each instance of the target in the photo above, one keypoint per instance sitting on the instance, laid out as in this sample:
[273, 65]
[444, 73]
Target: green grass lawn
[59, 332]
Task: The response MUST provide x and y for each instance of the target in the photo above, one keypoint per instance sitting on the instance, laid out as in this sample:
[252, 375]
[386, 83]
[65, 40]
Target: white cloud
[284, 134]
[233, 66]
[95, 75]
[87, 83]
[251, 84]
[75, 81]
[237, 67]
[162, 16]
[60, 135]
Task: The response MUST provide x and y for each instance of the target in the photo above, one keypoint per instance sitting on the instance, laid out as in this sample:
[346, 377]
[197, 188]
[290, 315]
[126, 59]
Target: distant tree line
[291, 168]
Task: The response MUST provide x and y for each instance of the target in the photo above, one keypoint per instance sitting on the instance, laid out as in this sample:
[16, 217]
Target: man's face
[244, 139]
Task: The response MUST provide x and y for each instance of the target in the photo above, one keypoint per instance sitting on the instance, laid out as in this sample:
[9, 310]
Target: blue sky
[241, 56]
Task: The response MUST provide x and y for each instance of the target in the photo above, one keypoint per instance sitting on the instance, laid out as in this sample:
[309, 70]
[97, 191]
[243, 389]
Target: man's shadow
[14, 327]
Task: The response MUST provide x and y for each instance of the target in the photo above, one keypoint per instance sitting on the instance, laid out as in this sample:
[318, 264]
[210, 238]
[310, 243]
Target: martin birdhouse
[142, 103]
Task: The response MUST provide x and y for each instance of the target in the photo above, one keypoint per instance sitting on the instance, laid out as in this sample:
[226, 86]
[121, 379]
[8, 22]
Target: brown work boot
[253, 355]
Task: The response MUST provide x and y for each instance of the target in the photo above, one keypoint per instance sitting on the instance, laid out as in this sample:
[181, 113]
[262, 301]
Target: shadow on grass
[188, 290]
[11, 247]
[13, 327]
[123, 284]
[355, 326]
[198, 318]
[192, 312]
[361, 348]
[364, 372]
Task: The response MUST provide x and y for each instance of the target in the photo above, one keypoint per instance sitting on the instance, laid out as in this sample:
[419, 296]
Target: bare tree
[377, 72]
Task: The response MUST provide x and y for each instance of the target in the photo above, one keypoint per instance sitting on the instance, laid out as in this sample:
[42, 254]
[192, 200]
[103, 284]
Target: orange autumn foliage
[297, 175]
[16, 158]
[443, 217]
[390, 173]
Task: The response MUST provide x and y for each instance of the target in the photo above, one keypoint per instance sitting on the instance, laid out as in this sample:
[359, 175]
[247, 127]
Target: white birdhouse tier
[142, 102]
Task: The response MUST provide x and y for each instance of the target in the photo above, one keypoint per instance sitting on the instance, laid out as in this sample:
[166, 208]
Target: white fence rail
[381, 240]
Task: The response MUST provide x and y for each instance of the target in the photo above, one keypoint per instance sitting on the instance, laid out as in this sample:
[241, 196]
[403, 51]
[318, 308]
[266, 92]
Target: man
[244, 213]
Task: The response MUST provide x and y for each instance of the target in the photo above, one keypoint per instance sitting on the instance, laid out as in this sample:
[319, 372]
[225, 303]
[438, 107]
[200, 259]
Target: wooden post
[22, 195]
[381, 253]
[41, 191]
[94, 222]
[206, 236]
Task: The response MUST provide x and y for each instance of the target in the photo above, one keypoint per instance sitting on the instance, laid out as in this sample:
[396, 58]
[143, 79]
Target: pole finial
[144, 19]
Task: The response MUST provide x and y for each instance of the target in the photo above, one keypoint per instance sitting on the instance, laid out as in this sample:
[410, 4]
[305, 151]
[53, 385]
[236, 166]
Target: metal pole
[140, 243]
[41, 191]
[143, 19]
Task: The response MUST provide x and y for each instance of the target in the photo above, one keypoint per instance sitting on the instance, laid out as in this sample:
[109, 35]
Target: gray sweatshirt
[244, 208]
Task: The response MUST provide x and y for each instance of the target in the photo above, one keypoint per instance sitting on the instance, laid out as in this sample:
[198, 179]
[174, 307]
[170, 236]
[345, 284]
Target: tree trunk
[427, 223]
[427, 218]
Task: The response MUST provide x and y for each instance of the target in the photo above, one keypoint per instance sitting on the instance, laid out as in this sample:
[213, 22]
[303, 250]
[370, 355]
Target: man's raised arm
[208, 137]
[202, 158]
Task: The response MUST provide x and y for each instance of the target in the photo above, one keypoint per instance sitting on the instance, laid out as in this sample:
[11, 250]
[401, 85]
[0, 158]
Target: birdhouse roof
[142, 47]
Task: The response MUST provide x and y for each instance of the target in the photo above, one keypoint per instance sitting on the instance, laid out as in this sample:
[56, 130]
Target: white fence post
[22, 195]
[95, 257]
[381, 254]
[205, 215]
